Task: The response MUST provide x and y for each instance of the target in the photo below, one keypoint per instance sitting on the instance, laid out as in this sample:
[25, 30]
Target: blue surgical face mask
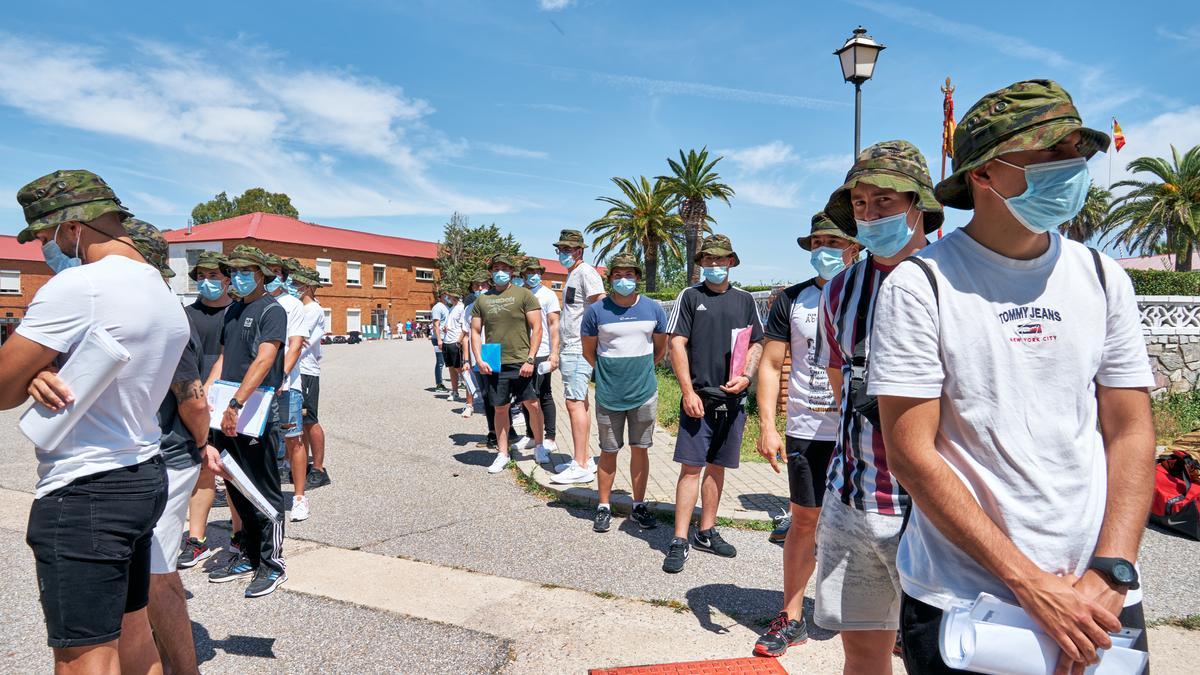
[717, 274]
[885, 237]
[500, 277]
[1054, 193]
[624, 286]
[210, 289]
[244, 283]
[274, 285]
[518, 281]
[55, 258]
[534, 280]
[567, 259]
[827, 261]
[291, 288]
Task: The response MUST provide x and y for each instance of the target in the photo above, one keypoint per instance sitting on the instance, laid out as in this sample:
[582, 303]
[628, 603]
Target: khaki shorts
[611, 426]
[857, 587]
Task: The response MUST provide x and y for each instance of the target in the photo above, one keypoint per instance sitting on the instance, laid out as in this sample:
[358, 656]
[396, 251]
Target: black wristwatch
[1119, 571]
[531, 360]
[233, 403]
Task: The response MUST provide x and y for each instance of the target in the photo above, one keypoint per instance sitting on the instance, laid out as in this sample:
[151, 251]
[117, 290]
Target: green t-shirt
[504, 321]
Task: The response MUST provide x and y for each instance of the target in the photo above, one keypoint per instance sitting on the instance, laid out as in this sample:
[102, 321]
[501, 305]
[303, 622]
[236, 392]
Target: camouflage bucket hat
[533, 263]
[1029, 115]
[66, 196]
[303, 277]
[717, 245]
[572, 238]
[211, 260]
[151, 244]
[624, 260]
[249, 256]
[821, 224]
[481, 277]
[292, 265]
[897, 165]
[504, 258]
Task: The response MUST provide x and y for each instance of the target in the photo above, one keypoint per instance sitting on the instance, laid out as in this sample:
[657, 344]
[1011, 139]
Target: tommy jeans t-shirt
[1014, 350]
[549, 303]
[707, 319]
[811, 411]
[207, 322]
[624, 350]
[582, 283]
[248, 325]
[295, 328]
[129, 300]
[504, 320]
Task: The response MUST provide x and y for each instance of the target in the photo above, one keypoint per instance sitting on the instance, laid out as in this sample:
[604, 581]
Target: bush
[664, 294]
[1176, 415]
[1164, 282]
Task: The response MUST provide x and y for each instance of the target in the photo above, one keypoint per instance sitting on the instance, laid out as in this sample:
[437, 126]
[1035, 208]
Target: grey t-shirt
[582, 283]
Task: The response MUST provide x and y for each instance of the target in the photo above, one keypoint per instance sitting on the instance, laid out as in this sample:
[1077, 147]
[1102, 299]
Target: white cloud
[701, 90]
[759, 157]
[142, 202]
[554, 107]
[555, 5]
[512, 151]
[777, 194]
[1189, 37]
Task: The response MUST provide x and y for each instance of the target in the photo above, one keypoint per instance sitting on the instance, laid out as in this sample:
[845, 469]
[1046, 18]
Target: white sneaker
[523, 443]
[498, 464]
[467, 412]
[575, 474]
[591, 466]
[299, 509]
[559, 468]
[542, 454]
[550, 445]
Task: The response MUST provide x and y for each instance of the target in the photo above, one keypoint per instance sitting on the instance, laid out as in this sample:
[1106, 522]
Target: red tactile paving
[753, 665]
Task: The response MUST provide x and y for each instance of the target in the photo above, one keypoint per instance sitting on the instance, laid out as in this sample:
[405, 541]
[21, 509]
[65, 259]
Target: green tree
[1090, 220]
[641, 221]
[694, 182]
[1163, 209]
[250, 201]
[463, 251]
[672, 269]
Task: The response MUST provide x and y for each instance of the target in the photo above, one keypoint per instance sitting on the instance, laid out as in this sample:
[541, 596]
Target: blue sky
[388, 116]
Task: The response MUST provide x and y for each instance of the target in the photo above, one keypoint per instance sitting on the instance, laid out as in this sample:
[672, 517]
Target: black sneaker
[677, 555]
[782, 525]
[238, 568]
[317, 478]
[220, 501]
[440, 389]
[603, 520]
[710, 540]
[780, 635]
[194, 552]
[642, 516]
[265, 581]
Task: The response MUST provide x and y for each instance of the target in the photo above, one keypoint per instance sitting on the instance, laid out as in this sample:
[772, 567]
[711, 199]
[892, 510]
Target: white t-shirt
[295, 328]
[549, 302]
[1014, 350]
[130, 301]
[452, 324]
[582, 283]
[438, 313]
[811, 411]
[314, 321]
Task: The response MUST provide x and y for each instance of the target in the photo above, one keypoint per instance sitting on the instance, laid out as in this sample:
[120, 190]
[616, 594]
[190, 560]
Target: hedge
[1164, 282]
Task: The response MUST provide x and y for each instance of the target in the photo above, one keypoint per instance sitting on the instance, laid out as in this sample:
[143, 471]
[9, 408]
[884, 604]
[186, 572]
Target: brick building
[22, 273]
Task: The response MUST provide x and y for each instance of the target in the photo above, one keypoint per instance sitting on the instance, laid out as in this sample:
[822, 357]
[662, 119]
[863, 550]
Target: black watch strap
[233, 403]
[1119, 571]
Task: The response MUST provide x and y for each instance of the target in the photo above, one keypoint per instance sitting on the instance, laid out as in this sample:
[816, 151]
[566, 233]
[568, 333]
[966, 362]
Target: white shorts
[168, 531]
[857, 587]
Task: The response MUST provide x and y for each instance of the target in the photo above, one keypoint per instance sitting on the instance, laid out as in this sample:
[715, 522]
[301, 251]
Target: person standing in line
[101, 490]
[533, 270]
[252, 354]
[1013, 386]
[712, 411]
[510, 316]
[887, 204]
[451, 337]
[288, 443]
[307, 281]
[207, 317]
[479, 285]
[584, 286]
[624, 337]
[812, 421]
[438, 313]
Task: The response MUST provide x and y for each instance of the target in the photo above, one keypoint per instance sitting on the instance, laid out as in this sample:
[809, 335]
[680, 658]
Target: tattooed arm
[193, 408]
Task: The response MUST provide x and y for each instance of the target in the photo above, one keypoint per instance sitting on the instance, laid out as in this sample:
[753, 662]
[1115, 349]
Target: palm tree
[1090, 221]
[1166, 209]
[642, 219]
[694, 182]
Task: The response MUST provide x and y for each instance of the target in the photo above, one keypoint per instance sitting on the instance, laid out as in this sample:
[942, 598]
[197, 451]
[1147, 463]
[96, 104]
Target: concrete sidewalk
[753, 492]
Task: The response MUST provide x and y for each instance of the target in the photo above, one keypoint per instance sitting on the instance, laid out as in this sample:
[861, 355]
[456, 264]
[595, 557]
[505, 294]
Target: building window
[424, 315]
[423, 274]
[328, 320]
[10, 281]
[353, 320]
[353, 273]
[193, 256]
[323, 269]
[556, 285]
[380, 276]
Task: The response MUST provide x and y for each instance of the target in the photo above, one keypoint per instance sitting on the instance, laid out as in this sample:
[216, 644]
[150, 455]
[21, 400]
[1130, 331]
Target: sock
[604, 506]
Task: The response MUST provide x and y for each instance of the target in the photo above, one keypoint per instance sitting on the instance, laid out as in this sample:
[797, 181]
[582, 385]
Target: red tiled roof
[11, 250]
[270, 227]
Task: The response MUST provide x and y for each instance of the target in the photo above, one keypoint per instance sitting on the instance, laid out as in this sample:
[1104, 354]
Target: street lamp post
[858, 57]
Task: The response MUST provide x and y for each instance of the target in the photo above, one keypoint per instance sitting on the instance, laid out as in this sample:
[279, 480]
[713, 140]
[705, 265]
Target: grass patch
[1190, 622]
[530, 485]
[669, 396]
[605, 595]
[754, 525]
[1176, 415]
[551, 586]
[676, 605]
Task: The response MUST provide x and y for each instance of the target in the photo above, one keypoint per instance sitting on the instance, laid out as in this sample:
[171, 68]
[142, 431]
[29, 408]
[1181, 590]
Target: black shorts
[91, 546]
[807, 462]
[452, 353]
[920, 626]
[508, 386]
[310, 388]
[715, 438]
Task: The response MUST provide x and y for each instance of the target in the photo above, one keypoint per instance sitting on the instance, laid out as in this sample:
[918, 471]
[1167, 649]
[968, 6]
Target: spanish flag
[1117, 136]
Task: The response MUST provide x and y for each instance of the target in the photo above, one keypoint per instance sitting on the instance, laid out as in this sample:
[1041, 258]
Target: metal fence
[762, 300]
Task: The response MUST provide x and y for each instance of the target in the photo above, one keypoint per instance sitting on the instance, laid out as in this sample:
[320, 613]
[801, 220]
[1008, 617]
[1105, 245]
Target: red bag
[1176, 504]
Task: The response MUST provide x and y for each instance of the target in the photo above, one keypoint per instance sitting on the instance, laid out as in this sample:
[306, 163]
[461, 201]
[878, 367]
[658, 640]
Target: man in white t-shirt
[451, 330]
[1013, 386]
[102, 488]
[438, 315]
[539, 427]
[583, 287]
[290, 399]
[307, 281]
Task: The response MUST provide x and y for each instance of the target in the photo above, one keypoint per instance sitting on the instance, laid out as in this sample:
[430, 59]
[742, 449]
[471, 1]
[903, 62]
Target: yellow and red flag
[1117, 136]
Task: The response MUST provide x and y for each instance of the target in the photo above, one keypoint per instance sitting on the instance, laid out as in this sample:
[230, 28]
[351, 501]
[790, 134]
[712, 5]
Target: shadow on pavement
[751, 607]
[657, 538]
[762, 501]
[462, 440]
[234, 645]
[481, 457]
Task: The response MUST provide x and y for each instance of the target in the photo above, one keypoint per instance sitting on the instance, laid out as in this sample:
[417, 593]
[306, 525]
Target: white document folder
[242, 482]
[87, 373]
[252, 420]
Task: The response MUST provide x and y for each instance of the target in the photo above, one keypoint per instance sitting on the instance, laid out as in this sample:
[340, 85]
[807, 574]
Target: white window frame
[423, 315]
[353, 311]
[325, 270]
[328, 327]
[357, 267]
[417, 271]
[556, 285]
[7, 288]
[375, 268]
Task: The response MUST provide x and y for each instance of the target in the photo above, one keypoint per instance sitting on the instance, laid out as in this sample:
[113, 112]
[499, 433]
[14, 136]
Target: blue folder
[490, 353]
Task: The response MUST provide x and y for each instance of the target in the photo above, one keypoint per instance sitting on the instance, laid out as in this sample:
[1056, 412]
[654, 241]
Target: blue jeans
[576, 374]
[437, 367]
